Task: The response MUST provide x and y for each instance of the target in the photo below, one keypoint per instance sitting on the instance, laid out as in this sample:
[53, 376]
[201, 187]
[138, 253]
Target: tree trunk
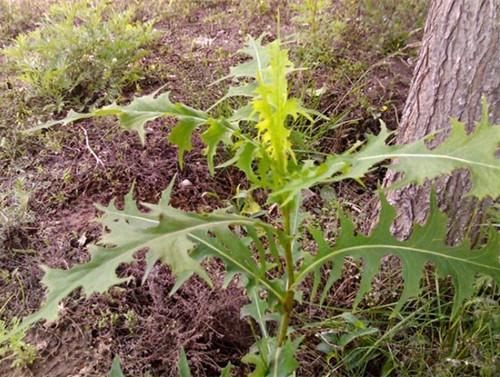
[459, 62]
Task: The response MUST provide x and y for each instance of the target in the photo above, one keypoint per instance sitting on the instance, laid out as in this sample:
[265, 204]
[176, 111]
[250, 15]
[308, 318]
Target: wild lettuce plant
[266, 255]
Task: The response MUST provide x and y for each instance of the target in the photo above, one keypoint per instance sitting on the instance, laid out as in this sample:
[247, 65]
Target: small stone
[82, 240]
[203, 42]
[185, 183]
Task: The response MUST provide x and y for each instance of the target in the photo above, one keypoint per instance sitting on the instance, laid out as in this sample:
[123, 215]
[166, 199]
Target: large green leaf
[259, 59]
[426, 245]
[141, 110]
[475, 152]
[238, 257]
[169, 235]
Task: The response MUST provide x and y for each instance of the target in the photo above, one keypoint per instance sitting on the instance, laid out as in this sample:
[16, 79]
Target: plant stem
[289, 265]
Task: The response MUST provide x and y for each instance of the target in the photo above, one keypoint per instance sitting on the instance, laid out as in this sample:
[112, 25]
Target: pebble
[185, 183]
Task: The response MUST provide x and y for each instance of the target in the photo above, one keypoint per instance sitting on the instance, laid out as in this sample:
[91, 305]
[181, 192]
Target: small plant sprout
[266, 255]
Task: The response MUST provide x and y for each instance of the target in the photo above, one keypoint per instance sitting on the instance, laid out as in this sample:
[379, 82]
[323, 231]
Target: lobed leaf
[141, 110]
[273, 106]
[476, 152]
[238, 258]
[219, 131]
[426, 245]
[169, 235]
[259, 59]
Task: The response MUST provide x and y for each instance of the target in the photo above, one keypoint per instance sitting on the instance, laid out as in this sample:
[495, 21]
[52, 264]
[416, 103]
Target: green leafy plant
[16, 349]
[309, 13]
[14, 215]
[266, 255]
[18, 16]
[81, 53]
[347, 329]
[389, 19]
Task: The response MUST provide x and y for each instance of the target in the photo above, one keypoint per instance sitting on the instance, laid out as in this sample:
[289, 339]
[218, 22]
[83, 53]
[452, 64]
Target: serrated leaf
[245, 156]
[219, 131]
[244, 113]
[270, 108]
[273, 106]
[238, 258]
[259, 55]
[245, 90]
[259, 58]
[168, 234]
[181, 135]
[135, 115]
[426, 245]
[475, 152]
[308, 176]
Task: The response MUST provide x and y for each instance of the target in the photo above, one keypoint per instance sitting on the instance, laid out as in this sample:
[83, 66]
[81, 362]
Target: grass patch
[81, 54]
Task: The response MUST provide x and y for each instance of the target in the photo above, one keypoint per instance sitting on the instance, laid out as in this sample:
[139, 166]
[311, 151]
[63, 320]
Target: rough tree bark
[459, 62]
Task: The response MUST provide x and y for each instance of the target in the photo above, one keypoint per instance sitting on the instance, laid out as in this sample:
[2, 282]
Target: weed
[311, 13]
[266, 253]
[14, 208]
[81, 54]
[390, 20]
[17, 17]
[351, 42]
[16, 348]
[422, 340]
[130, 319]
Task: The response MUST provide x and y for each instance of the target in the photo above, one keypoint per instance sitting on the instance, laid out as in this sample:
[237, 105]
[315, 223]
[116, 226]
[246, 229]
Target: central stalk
[289, 266]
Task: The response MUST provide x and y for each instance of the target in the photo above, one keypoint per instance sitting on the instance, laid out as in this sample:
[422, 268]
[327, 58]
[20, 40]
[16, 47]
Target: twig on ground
[97, 159]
